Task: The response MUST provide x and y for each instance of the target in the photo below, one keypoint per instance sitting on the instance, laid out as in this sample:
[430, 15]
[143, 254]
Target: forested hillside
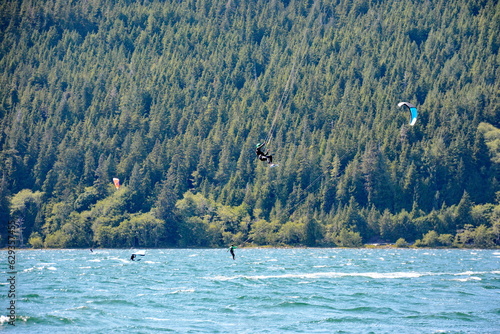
[171, 97]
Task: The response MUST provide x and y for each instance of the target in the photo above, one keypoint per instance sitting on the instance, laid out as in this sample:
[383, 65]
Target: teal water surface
[262, 291]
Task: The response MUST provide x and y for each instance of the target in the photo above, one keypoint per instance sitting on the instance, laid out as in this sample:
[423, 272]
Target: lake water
[262, 291]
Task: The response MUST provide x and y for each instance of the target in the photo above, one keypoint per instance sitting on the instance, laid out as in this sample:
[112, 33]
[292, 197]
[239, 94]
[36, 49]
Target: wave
[471, 275]
[31, 295]
[341, 320]
[39, 268]
[157, 319]
[83, 307]
[472, 278]
[462, 316]
[183, 291]
[313, 303]
[293, 304]
[4, 319]
[374, 275]
[41, 320]
[370, 309]
[111, 302]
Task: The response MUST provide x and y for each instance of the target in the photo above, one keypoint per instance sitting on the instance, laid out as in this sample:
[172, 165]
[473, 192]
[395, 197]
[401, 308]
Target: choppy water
[262, 291]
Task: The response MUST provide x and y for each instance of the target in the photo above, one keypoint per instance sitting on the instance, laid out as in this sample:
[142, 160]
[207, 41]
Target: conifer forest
[171, 97]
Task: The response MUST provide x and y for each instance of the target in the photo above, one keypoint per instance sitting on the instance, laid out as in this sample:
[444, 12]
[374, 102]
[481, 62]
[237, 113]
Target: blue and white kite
[413, 111]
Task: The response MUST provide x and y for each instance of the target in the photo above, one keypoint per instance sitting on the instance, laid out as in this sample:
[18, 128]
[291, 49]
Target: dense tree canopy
[172, 96]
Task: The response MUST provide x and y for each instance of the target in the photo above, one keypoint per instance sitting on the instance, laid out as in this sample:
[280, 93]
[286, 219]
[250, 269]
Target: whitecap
[4, 318]
[393, 275]
[276, 268]
[78, 308]
[472, 278]
[470, 273]
[222, 278]
[375, 275]
[183, 290]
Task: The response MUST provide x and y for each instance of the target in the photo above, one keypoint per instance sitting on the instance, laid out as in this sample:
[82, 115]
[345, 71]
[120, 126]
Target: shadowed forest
[171, 98]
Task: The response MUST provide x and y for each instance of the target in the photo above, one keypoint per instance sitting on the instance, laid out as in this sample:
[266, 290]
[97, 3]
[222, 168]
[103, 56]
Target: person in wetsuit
[263, 156]
[231, 250]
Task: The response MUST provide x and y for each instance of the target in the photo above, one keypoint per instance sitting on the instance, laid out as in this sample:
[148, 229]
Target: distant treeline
[171, 97]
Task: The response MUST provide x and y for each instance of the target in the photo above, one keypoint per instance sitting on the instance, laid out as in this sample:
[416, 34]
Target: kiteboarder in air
[263, 156]
[231, 250]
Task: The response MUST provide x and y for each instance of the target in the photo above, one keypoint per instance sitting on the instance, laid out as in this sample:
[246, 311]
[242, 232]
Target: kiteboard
[273, 165]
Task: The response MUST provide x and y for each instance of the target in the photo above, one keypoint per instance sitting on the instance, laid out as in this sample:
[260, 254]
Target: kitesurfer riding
[263, 156]
[133, 258]
[231, 250]
[136, 254]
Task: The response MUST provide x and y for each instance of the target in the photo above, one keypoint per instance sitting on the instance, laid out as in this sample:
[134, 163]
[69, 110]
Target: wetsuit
[263, 156]
[231, 250]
